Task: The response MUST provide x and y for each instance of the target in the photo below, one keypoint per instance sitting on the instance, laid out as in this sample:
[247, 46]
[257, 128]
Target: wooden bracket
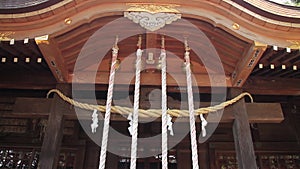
[247, 64]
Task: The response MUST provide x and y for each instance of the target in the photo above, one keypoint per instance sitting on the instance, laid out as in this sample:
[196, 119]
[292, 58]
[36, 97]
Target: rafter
[247, 64]
[54, 59]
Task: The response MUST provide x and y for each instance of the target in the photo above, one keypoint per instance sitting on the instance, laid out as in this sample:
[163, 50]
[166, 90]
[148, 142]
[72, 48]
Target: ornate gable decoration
[152, 17]
[6, 36]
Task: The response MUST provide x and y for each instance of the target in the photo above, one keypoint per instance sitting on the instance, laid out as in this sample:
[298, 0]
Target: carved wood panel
[268, 160]
[28, 158]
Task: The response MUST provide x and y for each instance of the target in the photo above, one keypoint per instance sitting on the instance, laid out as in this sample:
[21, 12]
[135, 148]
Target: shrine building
[98, 84]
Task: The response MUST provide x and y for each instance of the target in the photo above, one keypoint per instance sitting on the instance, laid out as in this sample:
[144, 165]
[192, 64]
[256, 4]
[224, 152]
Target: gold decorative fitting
[235, 26]
[295, 44]
[117, 64]
[68, 21]
[42, 40]
[38, 42]
[152, 8]
[260, 44]
[6, 36]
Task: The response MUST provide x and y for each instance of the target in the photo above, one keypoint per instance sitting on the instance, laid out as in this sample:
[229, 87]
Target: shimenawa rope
[149, 112]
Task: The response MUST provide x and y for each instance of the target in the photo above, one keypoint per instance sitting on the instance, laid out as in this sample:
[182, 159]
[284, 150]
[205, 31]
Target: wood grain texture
[54, 133]
[242, 134]
[257, 112]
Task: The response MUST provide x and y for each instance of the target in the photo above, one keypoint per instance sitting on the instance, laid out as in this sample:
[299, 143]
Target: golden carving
[42, 40]
[6, 36]
[260, 45]
[235, 26]
[295, 44]
[152, 8]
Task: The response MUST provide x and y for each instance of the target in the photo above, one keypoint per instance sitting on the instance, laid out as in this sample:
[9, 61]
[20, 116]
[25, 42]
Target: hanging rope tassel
[164, 121]
[135, 114]
[191, 108]
[102, 161]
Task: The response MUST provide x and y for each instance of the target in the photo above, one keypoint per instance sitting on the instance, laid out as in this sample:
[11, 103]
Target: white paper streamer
[170, 125]
[203, 125]
[130, 123]
[94, 124]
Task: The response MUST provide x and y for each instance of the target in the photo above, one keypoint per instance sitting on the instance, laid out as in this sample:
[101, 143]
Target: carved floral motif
[152, 21]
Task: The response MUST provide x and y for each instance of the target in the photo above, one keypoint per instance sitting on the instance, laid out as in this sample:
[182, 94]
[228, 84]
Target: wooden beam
[27, 80]
[53, 136]
[153, 79]
[242, 134]
[272, 86]
[54, 59]
[264, 112]
[175, 64]
[38, 107]
[33, 106]
[130, 88]
[255, 85]
[247, 64]
[151, 39]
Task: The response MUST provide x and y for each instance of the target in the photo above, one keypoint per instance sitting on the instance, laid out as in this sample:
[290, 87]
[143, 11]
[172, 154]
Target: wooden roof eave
[253, 27]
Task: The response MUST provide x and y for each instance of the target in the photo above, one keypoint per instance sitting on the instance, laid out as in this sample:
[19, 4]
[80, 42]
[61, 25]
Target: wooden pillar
[112, 161]
[79, 164]
[54, 131]
[292, 117]
[184, 159]
[91, 159]
[203, 156]
[242, 134]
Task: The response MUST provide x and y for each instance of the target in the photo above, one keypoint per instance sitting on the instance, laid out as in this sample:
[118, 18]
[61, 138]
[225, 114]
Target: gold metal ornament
[6, 36]
[152, 8]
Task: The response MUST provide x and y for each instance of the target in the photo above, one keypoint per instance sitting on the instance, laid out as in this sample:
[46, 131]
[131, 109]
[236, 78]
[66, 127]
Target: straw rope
[149, 112]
